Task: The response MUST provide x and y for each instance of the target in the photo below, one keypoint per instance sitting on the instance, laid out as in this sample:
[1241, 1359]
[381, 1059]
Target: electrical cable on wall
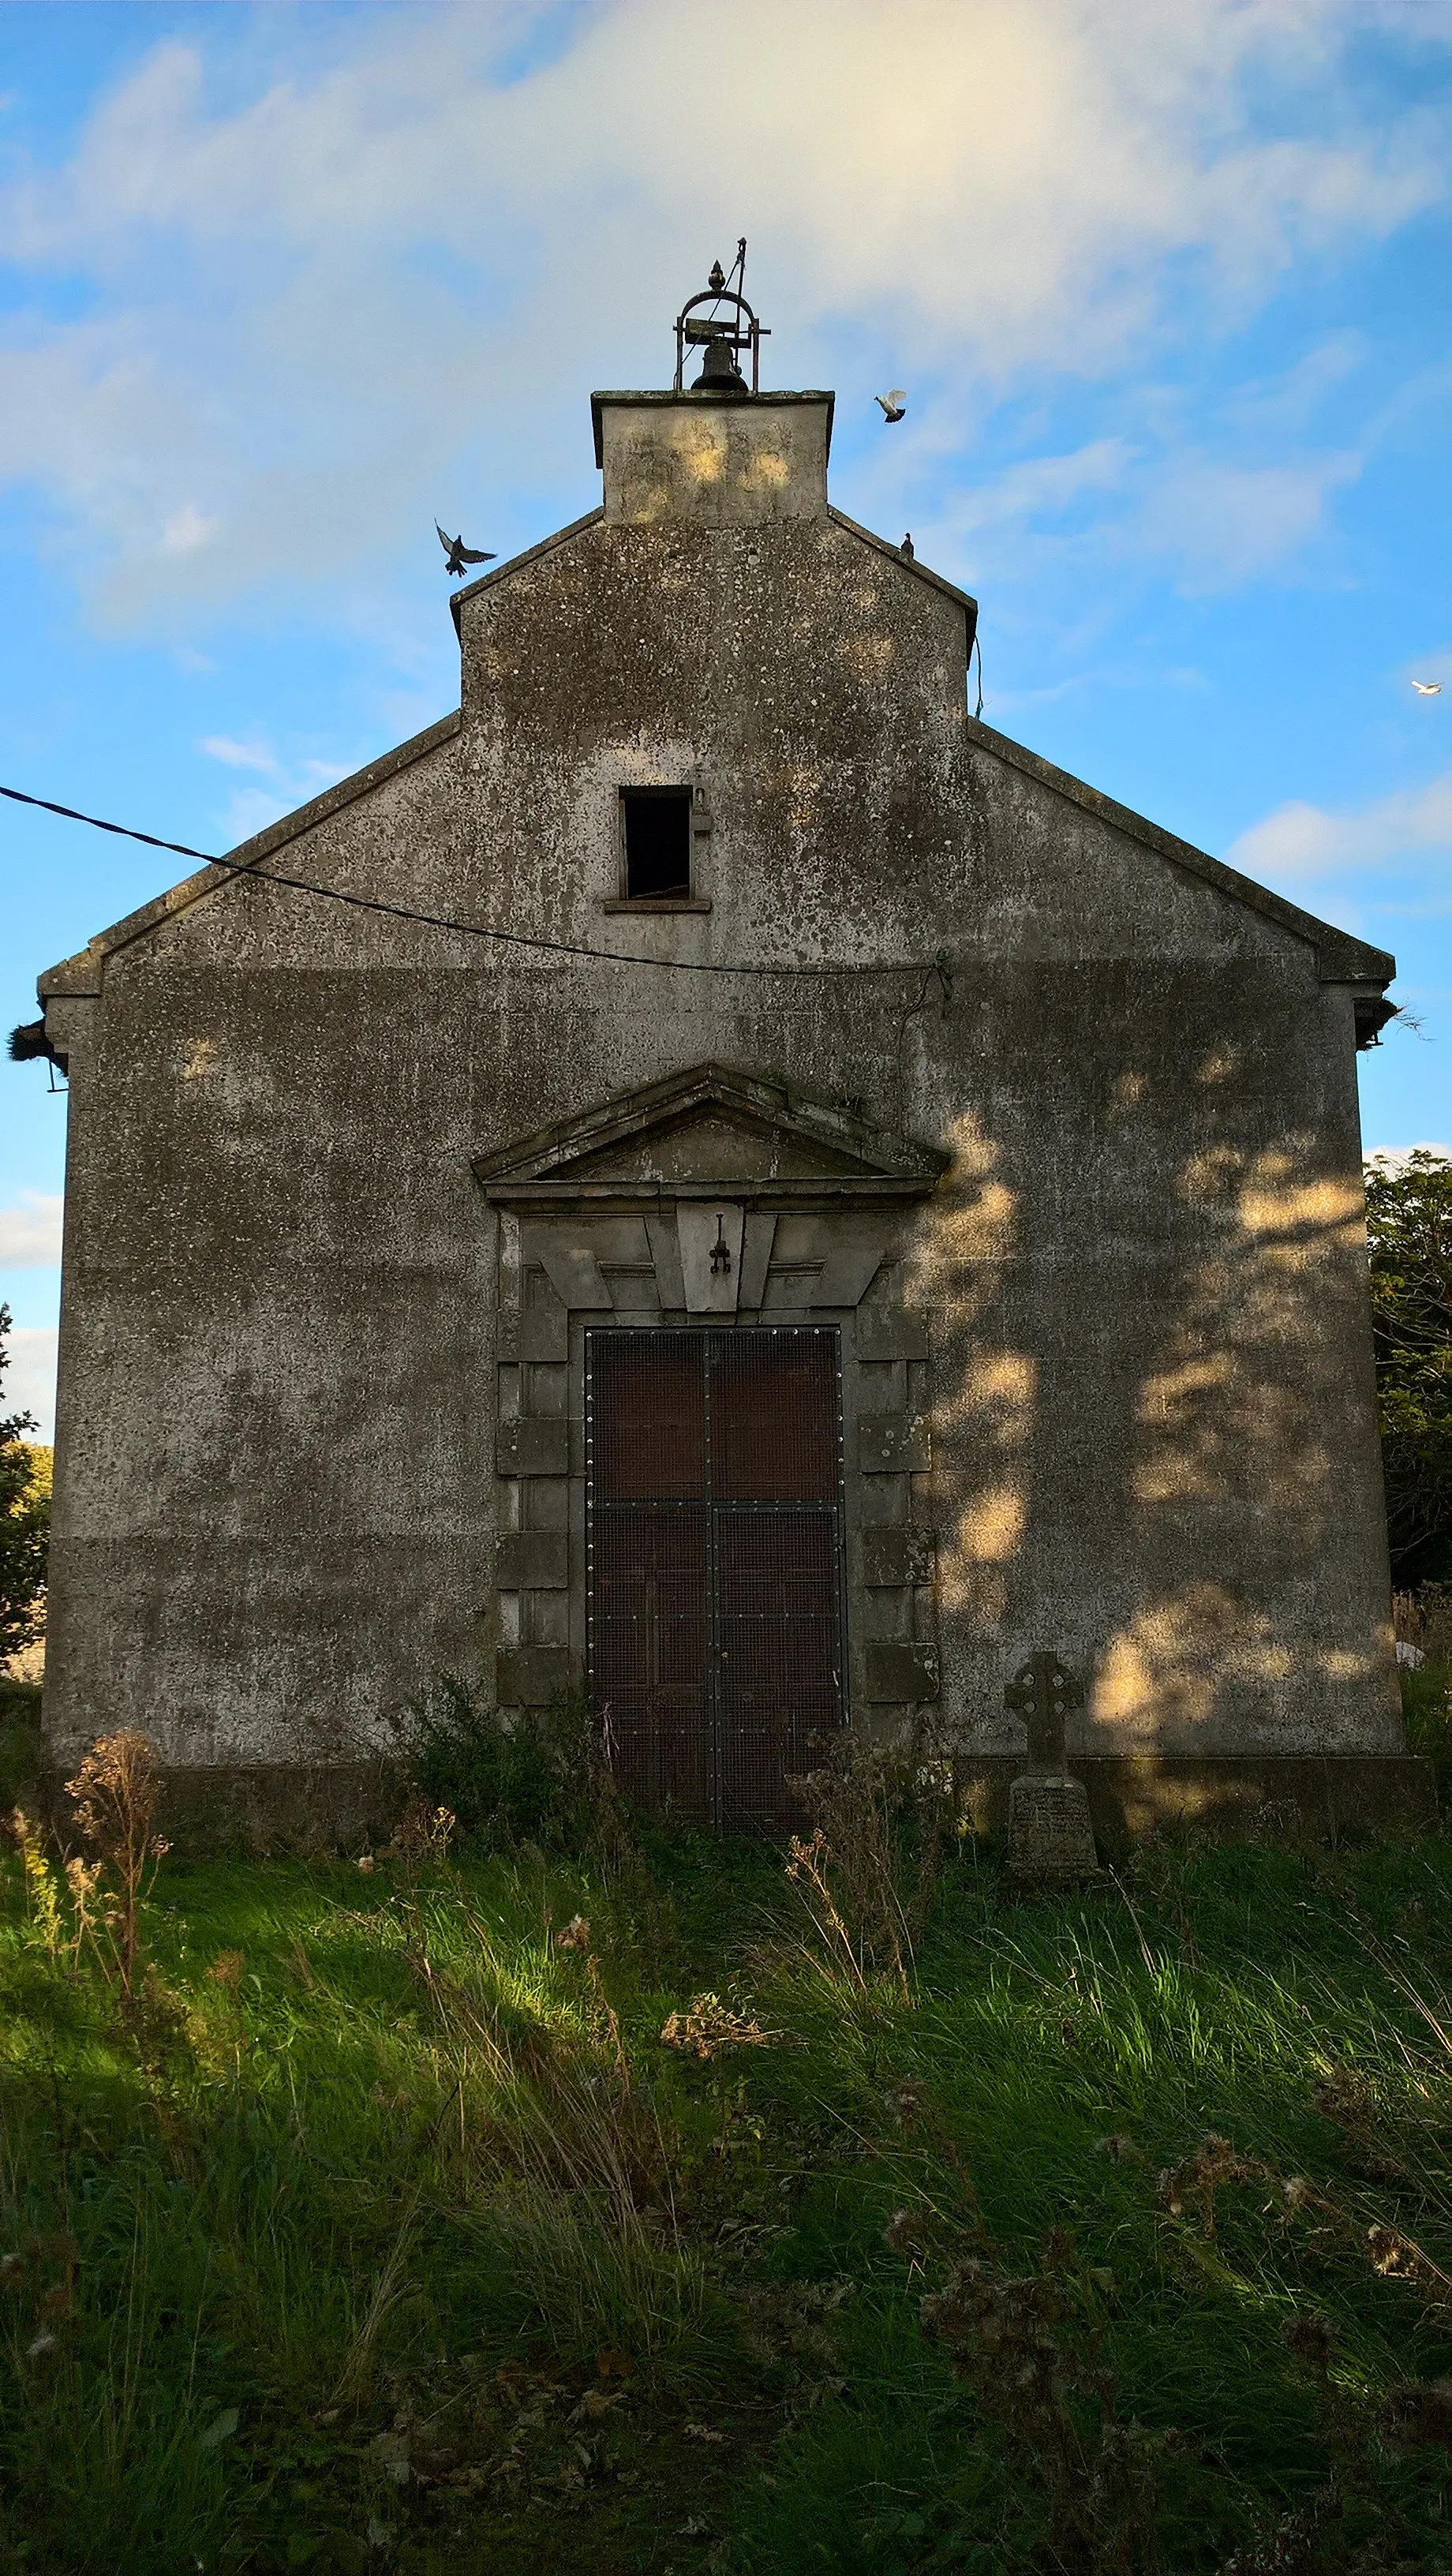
[253, 868]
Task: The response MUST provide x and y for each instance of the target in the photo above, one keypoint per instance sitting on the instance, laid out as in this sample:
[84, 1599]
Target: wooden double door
[715, 1564]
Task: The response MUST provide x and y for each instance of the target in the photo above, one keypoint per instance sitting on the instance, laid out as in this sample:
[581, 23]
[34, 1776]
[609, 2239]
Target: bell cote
[717, 451]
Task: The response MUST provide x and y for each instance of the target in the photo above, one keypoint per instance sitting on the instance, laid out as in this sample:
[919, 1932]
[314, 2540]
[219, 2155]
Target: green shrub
[526, 1780]
[1427, 1708]
[22, 1751]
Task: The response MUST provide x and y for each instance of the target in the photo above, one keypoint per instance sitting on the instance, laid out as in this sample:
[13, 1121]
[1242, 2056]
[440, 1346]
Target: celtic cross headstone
[1049, 1833]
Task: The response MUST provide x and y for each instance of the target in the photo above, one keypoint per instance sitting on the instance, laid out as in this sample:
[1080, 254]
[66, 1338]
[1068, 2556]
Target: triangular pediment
[710, 1129]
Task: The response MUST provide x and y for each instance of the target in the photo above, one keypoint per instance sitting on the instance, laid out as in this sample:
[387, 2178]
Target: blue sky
[1168, 282]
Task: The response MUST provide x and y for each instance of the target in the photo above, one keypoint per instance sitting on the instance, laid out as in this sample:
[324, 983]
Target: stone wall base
[344, 1806]
[270, 1807]
[1264, 1797]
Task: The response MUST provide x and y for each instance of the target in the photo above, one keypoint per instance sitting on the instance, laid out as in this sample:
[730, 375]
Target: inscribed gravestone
[1049, 1833]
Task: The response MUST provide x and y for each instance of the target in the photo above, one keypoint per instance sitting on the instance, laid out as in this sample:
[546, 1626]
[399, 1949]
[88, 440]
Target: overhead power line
[17, 797]
[253, 868]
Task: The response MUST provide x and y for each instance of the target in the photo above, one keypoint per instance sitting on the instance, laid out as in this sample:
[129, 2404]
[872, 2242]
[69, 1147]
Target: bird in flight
[894, 404]
[1428, 688]
[459, 554]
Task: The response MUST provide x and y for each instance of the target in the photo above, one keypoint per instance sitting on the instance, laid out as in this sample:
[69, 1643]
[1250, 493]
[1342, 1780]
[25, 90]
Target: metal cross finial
[1042, 1692]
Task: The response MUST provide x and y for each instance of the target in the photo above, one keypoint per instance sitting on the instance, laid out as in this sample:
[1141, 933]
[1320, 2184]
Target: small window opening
[657, 841]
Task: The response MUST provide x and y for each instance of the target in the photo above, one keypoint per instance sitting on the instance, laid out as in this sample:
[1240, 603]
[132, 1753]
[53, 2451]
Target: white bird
[894, 404]
[1428, 688]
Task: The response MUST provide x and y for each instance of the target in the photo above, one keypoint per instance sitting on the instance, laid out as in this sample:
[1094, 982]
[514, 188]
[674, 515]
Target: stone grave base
[1050, 1837]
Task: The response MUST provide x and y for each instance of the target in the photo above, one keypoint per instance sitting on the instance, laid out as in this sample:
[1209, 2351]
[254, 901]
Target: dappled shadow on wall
[1146, 1465]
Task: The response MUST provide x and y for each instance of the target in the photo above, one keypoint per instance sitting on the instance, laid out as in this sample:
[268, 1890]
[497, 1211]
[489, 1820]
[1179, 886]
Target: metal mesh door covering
[715, 1616]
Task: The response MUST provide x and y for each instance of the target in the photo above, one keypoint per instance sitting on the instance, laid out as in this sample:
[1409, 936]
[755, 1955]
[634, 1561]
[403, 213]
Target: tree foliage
[24, 1523]
[1409, 1225]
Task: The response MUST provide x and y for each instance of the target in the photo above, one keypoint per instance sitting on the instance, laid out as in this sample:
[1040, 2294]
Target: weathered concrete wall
[1143, 1279]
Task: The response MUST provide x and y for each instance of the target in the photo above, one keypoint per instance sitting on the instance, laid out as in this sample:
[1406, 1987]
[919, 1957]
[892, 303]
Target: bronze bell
[719, 372]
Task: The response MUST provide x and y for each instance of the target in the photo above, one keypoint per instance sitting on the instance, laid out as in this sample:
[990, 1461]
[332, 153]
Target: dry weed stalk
[576, 1937]
[1195, 2181]
[808, 1867]
[116, 1791]
[882, 1821]
[1033, 2356]
[83, 1879]
[421, 1838]
[1194, 2184]
[708, 2026]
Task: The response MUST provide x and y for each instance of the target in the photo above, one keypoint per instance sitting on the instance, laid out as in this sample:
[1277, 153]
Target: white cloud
[29, 1385]
[405, 247]
[1395, 1158]
[1301, 841]
[1214, 524]
[187, 529]
[240, 755]
[1225, 524]
[1042, 486]
[30, 1232]
[290, 783]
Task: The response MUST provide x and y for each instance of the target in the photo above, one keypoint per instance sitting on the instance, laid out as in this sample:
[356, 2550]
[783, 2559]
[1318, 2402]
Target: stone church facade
[878, 1211]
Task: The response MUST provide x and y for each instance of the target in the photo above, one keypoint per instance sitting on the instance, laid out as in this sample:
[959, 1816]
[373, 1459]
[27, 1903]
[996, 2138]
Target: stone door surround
[612, 1217]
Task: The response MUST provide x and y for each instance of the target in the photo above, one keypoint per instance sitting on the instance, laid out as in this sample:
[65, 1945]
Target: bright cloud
[1395, 1158]
[1224, 524]
[30, 1232]
[317, 298]
[30, 1375]
[1213, 523]
[240, 755]
[1301, 841]
[187, 529]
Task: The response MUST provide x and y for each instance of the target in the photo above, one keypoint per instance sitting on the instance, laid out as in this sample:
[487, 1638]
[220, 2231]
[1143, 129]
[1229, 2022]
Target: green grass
[408, 2244]
[1427, 1708]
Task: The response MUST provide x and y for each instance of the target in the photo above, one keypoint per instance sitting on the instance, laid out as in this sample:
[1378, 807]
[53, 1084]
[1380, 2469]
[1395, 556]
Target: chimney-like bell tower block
[722, 461]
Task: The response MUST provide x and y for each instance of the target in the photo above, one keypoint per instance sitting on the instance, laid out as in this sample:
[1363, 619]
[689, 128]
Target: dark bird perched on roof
[907, 548]
[459, 554]
[894, 404]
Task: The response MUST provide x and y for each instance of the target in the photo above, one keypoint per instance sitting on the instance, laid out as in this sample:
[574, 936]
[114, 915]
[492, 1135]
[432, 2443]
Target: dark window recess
[657, 842]
[715, 1624]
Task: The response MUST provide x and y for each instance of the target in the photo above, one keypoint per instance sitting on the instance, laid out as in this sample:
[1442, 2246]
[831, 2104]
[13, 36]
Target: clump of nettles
[542, 1777]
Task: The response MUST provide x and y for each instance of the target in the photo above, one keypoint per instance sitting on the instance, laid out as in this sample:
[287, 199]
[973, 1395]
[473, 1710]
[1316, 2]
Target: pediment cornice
[609, 1156]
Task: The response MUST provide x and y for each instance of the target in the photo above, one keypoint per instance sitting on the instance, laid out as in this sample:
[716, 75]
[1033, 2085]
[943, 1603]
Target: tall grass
[413, 2242]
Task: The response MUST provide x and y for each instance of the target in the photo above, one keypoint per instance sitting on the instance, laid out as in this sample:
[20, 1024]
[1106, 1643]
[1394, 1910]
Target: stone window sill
[657, 903]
